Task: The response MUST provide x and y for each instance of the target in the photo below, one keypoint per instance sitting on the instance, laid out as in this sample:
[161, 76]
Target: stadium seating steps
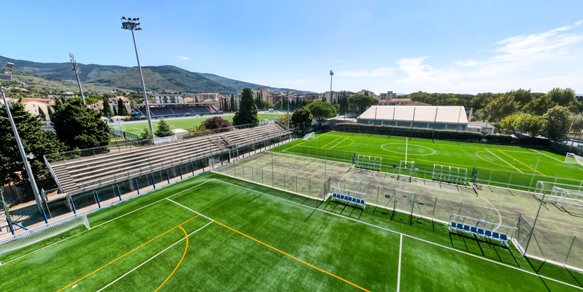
[86, 173]
[179, 111]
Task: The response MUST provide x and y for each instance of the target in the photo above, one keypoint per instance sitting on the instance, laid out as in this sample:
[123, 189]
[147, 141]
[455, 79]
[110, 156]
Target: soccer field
[181, 123]
[508, 166]
[215, 233]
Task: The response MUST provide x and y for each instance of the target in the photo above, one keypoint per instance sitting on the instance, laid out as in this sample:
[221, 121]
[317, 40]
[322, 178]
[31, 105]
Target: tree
[232, 106]
[361, 102]
[501, 107]
[216, 123]
[164, 129]
[34, 140]
[121, 108]
[563, 97]
[321, 110]
[540, 105]
[79, 126]
[106, 111]
[577, 125]
[301, 120]
[284, 119]
[146, 135]
[557, 122]
[523, 123]
[247, 113]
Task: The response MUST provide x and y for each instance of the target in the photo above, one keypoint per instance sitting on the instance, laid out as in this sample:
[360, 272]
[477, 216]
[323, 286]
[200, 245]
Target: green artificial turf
[508, 166]
[251, 237]
[180, 123]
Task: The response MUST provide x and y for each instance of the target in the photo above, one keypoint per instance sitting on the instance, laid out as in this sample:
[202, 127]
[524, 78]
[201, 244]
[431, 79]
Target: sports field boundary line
[520, 161]
[153, 257]
[409, 236]
[399, 269]
[503, 160]
[538, 152]
[279, 251]
[106, 222]
[326, 145]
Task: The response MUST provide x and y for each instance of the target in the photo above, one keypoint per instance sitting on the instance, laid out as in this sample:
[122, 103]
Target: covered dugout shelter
[431, 117]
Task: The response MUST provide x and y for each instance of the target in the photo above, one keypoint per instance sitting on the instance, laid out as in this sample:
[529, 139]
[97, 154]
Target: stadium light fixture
[76, 71]
[133, 24]
[23, 156]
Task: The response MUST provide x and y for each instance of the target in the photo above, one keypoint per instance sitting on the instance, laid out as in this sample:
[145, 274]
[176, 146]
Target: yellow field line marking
[291, 256]
[325, 145]
[504, 160]
[489, 162]
[179, 262]
[125, 254]
[342, 140]
[516, 159]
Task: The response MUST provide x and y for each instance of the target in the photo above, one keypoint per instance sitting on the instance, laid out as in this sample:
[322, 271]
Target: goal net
[572, 158]
[35, 236]
[562, 196]
[310, 136]
[369, 162]
[450, 174]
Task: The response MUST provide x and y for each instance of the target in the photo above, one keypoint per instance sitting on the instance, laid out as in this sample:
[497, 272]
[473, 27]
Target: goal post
[34, 236]
[562, 196]
[572, 158]
[309, 136]
[450, 174]
[369, 162]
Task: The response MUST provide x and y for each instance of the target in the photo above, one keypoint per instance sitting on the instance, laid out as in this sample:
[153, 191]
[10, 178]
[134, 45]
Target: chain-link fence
[551, 237]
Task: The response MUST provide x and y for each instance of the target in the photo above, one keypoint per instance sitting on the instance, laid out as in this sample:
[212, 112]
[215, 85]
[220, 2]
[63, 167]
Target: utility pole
[23, 156]
[76, 71]
[133, 24]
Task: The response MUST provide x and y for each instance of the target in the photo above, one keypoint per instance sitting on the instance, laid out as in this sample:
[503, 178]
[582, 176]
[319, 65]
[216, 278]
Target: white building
[431, 117]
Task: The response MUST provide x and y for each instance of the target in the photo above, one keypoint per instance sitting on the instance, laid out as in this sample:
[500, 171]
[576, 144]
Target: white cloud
[183, 58]
[538, 61]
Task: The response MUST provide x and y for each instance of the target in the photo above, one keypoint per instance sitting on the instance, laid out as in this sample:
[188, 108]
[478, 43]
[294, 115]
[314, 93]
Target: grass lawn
[512, 166]
[215, 233]
[181, 123]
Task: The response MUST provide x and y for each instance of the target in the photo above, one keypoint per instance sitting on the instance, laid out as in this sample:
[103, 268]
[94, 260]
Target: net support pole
[118, 191]
[137, 184]
[570, 248]
[534, 223]
[97, 198]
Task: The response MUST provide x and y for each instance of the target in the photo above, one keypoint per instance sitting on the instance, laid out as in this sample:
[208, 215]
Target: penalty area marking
[503, 160]
[276, 249]
[153, 257]
[431, 151]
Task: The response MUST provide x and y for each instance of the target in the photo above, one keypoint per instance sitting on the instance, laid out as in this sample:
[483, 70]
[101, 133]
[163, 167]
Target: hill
[158, 78]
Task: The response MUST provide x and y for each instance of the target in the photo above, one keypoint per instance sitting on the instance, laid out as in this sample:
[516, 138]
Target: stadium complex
[262, 208]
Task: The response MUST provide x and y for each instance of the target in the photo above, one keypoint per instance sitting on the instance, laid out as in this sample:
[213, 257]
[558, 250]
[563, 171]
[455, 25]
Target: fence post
[137, 184]
[118, 191]
[97, 198]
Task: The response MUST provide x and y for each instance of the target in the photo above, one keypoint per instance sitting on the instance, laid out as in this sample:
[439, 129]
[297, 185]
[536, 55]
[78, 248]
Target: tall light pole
[133, 24]
[24, 157]
[76, 71]
[331, 74]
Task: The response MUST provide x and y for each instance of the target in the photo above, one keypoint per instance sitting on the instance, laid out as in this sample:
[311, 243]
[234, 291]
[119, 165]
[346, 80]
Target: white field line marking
[325, 146]
[106, 222]
[399, 270]
[503, 160]
[342, 140]
[299, 144]
[408, 236]
[495, 209]
[538, 152]
[189, 209]
[153, 257]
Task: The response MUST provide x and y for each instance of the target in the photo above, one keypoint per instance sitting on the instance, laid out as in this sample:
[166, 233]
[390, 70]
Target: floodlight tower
[133, 24]
[23, 155]
[331, 74]
[76, 71]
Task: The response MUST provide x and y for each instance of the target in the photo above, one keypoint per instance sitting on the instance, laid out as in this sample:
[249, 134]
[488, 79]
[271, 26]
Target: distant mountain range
[157, 78]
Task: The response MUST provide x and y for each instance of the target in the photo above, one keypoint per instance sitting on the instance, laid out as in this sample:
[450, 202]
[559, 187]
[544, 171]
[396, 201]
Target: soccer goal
[34, 236]
[309, 136]
[563, 196]
[369, 162]
[572, 158]
[450, 174]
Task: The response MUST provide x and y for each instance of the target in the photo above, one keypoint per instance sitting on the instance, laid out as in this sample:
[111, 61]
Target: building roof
[445, 114]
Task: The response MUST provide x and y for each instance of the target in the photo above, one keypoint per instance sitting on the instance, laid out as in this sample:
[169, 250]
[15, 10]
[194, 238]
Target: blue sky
[404, 46]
